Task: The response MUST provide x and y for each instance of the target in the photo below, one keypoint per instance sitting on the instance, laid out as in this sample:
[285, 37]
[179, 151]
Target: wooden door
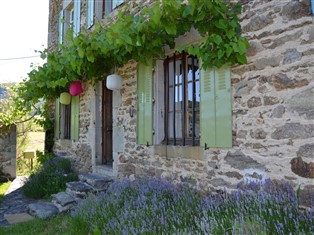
[106, 126]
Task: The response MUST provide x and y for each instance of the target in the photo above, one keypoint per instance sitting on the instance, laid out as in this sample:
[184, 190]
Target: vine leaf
[171, 29]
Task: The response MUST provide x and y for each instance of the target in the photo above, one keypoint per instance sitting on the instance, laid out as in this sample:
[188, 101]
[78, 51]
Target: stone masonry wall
[80, 152]
[273, 105]
[8, 152]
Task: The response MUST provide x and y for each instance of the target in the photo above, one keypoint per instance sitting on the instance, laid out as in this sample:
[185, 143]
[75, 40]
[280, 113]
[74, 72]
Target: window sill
[185, 152]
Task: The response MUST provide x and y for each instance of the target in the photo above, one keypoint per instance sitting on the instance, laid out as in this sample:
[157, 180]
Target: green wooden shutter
[75, 109]
[223, 107]
[90, 13]
[207, 108]
[77, 17]
[144, 104]
[57, 119]
[60, 27]
[216, 117]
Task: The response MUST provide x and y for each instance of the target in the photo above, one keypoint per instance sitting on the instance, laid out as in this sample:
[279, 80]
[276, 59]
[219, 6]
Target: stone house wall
[273, 129]
[8, 151]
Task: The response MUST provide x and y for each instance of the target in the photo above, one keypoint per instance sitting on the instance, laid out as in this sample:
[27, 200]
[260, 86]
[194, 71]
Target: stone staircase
[75, 192]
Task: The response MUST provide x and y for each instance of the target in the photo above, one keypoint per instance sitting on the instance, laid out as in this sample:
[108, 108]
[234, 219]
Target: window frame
[65, 125]
[67, 119]
[182, 87]
[108, 6]
[215, 130]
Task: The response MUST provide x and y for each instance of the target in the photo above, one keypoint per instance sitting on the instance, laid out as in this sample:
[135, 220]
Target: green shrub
[43, 157]
[50, 178]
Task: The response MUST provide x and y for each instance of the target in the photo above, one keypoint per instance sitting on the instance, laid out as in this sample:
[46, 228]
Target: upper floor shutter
[216, 116]
[75, 110]
[90, 13]
[60, 38]
[144, 104]
[77, 18]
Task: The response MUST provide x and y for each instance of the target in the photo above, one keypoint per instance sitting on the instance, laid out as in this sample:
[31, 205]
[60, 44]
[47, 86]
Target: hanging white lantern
[114, 82]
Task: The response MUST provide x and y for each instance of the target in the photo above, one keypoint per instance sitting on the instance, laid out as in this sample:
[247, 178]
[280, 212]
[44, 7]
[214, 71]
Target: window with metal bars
[66, 121]
[182, 100]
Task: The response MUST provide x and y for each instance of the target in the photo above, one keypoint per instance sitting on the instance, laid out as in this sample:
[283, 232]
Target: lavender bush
[158, 206]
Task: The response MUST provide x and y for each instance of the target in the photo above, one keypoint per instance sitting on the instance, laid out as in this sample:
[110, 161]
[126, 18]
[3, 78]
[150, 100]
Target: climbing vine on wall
[139, 35]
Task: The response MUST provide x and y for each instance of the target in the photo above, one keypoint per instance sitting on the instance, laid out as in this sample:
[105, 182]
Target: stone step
[18, 218]
[103, 170]
[78, 190]
[79, 187]
[63, 201]
[97, 181]
[42, 209]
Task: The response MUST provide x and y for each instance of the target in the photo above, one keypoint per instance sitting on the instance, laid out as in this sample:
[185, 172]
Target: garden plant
[158, 206]
[50, 177]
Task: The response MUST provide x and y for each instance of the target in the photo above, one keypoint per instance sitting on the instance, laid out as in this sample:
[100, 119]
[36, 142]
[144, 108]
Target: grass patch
[3, 189]
[58, 225]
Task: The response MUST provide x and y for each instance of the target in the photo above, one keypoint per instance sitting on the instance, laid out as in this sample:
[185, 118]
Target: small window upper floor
[69, 18]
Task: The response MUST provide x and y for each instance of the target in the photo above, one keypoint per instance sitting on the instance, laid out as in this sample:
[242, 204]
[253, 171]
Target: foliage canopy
[140, 34]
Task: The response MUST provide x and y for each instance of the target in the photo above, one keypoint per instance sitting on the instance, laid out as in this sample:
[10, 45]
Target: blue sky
[24, 29]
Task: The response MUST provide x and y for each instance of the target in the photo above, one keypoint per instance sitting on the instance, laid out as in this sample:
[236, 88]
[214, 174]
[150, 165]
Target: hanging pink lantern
[76, 88]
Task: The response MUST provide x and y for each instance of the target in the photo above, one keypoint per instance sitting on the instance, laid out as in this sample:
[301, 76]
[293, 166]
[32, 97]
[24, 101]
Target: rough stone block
[302, 168]
[97, 181]
[264, 62]
[42, 209]
[258, 134]
[241, 161]
[79, 187]
[293, 131]
[282, 81]
[302, 103]
[292, 55]
[306, 196]
[295, 9]
[257, 23]
[278, 112]
[254, 102]
[306, 151]
[17, 218]
[63, 198]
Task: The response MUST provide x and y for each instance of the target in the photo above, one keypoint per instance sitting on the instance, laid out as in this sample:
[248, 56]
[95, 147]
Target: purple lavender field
[158, 206]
